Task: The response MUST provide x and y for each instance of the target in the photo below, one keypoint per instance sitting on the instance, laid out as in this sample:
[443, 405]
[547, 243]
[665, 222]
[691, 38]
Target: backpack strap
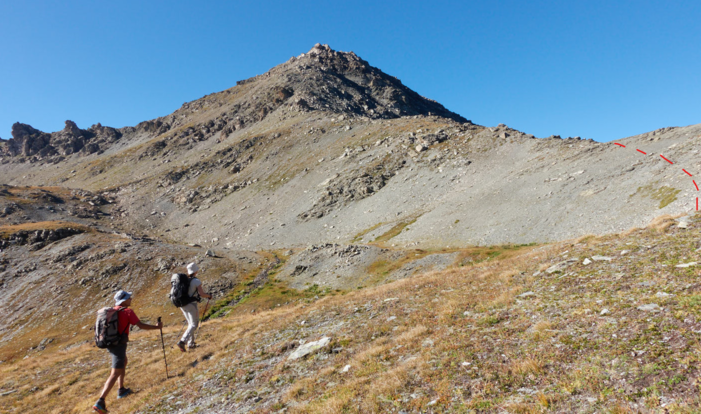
[121, 308]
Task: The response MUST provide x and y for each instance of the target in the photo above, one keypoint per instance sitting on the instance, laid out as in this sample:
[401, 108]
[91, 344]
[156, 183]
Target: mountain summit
[321, 80]
[342, 82]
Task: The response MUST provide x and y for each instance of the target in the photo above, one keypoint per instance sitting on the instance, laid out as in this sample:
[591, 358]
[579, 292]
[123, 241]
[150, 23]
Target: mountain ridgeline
[326, 148]
[320, 80]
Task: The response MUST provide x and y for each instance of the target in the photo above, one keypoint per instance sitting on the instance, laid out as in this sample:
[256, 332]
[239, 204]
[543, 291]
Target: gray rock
[309, 348]
[650, 307]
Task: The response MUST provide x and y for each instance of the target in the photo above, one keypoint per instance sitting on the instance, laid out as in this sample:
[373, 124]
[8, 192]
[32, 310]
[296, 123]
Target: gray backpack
[107, 328]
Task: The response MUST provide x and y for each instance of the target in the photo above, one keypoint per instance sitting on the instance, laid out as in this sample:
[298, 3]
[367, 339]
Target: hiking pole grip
[164, 348]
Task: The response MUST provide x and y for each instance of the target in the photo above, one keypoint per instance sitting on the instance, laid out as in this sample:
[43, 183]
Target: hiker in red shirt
[127, 317]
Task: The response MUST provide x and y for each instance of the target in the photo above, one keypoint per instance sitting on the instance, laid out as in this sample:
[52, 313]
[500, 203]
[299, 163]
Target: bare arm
[202, 294]
[146, 326]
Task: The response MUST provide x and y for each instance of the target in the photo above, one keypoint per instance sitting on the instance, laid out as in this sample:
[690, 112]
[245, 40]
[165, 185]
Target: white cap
[121, 297]
[192, 268]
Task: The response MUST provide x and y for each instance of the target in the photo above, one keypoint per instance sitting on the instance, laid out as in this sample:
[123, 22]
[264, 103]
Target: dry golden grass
[527, 367]
[462, 340]
[662, 223]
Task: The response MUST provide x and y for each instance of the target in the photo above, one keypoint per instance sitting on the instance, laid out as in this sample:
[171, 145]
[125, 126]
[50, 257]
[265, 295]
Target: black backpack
[107, 328]
[179, 291]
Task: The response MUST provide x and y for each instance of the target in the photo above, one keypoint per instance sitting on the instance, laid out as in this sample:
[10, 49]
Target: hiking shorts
[119, 356]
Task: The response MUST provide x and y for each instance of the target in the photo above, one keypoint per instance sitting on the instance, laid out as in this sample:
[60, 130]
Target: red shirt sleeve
[131, 316]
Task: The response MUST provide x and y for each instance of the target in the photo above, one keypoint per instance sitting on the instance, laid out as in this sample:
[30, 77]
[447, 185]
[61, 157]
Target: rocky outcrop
[343, 190]
[29, 142]
[38, 238]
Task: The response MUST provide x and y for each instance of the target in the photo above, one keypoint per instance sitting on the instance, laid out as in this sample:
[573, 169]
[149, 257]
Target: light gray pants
[193, 319]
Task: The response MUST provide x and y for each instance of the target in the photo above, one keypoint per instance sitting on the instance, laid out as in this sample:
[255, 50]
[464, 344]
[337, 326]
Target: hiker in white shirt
[190, 310]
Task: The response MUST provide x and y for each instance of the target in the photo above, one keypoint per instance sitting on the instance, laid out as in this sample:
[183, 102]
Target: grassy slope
[462, 340]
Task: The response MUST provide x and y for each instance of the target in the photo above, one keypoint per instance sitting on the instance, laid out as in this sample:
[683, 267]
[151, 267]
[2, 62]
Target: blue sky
[595, 69]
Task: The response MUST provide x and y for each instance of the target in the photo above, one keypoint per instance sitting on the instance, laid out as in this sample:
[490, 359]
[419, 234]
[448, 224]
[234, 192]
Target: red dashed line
[666, 159]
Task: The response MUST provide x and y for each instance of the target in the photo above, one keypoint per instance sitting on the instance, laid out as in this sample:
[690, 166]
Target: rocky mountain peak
[343, 82]
[327, 80]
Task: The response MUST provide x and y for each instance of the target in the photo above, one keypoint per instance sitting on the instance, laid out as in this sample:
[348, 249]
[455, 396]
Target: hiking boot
[123, 392]
[181, 345]
[100, 407]
[191, 345]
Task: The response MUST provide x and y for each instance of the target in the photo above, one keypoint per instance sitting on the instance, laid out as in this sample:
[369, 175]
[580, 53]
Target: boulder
[309, 348]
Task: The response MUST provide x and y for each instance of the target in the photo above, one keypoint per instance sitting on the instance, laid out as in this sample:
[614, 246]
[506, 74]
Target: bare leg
[116, 373]
[120, 380]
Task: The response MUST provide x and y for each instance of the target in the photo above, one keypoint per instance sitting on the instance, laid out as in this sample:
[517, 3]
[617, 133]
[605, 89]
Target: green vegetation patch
[359, 237]
[394, 231]
[665, 195]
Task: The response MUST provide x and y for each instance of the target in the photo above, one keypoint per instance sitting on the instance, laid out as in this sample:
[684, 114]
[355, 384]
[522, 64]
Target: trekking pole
[202, 319]
[181, 330]
[164, 348]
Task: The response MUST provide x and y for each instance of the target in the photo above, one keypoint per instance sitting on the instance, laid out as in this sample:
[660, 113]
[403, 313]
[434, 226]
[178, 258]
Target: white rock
[604, 312]
[624, 252]
[686, 265]
[650, 307]
[683, 225]
[428, 342]
[209, 253]
[390, 299]
[309, 348]
[434, 402]
[601, 258]
[586, 261]
[526, 294]
[663, 295]
[465, 363]
[346, 368]
[391, 318]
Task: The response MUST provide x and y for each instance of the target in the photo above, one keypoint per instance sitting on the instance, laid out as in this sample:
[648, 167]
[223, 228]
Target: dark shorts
[119, 356]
